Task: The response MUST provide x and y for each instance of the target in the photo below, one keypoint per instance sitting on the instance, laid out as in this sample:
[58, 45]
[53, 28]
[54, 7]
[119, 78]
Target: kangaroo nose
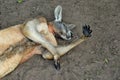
[70, 35]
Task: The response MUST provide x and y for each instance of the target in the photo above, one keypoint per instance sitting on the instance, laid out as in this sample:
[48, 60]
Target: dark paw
[57, 65]
[87, 31]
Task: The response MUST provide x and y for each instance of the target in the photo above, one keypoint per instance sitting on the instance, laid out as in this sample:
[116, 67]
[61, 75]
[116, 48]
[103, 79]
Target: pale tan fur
[16, 49]
[10, 36]
[35, 30]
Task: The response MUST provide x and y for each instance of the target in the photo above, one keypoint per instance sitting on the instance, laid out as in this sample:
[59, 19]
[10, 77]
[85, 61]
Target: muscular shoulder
[39, 24]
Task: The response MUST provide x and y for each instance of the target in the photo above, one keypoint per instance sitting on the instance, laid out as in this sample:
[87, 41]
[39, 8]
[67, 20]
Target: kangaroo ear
[70, 26]
[58, 13]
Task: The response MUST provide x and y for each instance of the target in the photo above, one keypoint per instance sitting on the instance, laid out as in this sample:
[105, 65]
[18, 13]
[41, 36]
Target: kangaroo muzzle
[69, 35]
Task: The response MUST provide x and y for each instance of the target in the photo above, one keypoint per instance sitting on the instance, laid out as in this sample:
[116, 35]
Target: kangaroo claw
[57, 65]
[87, 31]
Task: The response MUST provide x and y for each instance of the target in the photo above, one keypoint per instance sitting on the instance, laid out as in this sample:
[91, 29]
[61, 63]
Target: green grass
[19, 1]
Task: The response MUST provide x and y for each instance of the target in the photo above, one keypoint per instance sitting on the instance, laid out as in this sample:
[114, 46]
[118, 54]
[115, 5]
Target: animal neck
[51, 28]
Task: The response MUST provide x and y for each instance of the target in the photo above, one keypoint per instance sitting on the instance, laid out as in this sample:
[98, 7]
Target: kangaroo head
[62, 29]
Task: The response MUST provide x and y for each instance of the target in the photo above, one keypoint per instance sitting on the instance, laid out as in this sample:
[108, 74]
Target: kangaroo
[36, 28]
[16, 48]
[24, 49]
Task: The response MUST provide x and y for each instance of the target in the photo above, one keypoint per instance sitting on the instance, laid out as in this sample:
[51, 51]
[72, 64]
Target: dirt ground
[95, 59]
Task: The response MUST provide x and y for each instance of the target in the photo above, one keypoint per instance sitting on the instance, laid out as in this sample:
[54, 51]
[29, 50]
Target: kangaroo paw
[87, 31]
[57, 64]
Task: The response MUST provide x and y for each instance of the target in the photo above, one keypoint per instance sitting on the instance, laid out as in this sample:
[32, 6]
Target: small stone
[115, 41]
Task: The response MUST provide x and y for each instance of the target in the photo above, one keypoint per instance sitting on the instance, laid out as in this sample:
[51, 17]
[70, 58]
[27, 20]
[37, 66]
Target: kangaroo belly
[9, 64]
[12, 57]
[15, 48]
[10, 36]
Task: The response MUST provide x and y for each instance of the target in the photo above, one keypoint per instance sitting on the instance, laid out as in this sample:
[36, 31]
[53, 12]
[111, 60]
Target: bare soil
[95, 59]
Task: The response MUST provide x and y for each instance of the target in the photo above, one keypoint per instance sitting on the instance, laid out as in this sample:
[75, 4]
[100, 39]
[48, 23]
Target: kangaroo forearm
[66, 48]
[34, 35]
[46, 44]
[62, 50]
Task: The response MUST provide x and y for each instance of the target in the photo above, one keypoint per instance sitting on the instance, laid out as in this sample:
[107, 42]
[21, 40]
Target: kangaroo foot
[87, 31]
